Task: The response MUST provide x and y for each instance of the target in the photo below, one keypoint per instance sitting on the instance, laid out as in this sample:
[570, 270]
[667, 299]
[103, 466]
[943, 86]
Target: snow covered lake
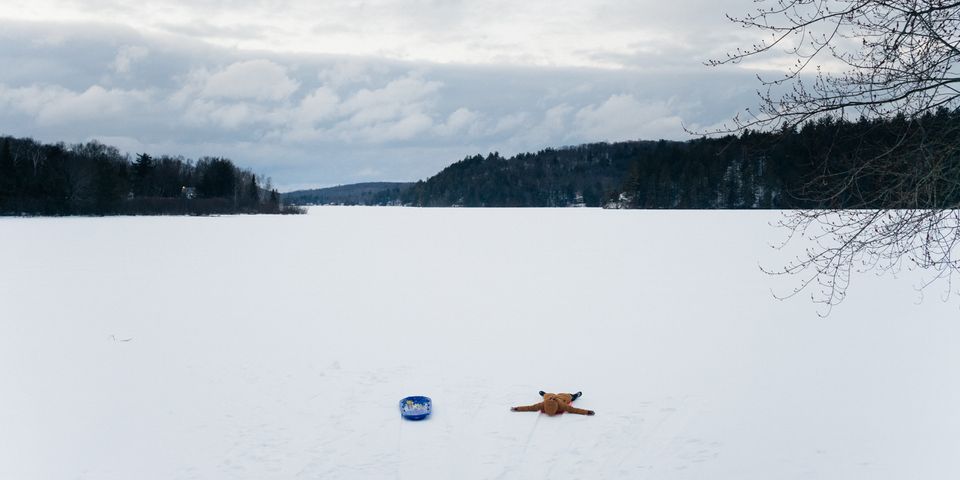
[265, 347]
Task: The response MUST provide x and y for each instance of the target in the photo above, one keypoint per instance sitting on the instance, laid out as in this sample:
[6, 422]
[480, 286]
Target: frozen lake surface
[263, 347]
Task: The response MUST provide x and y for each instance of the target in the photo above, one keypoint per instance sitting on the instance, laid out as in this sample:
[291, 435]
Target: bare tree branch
[870, 59]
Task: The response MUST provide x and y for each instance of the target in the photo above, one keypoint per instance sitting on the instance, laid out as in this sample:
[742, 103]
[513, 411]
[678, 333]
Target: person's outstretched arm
[571, 409]
[528, 408]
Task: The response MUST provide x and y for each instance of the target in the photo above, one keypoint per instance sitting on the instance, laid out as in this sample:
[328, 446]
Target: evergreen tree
[254, 192]
[143, 169]
[274, 206]
[7, 176]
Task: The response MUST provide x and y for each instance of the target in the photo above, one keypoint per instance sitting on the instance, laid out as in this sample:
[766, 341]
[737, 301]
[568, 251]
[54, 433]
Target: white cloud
[347, 73]
[55, 105]
[127, 56]
[623, 117]
[462, 120]
[398, 98]
[319, 105]
[252, 79]
[229, 116]
[29, 100]
[402, 129]
[510, 122]
[399, 110]
[551, 128]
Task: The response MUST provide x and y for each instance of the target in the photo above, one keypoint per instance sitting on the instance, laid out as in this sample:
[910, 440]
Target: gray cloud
[539, 32]
[310, 119]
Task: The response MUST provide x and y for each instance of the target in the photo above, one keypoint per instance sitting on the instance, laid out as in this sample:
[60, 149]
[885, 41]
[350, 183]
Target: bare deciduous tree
[892, 59]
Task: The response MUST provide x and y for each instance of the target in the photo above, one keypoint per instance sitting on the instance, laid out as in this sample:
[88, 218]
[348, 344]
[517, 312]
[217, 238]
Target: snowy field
[262, 347]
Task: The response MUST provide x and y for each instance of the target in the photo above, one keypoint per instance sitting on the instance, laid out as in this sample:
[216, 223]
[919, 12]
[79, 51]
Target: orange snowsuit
[552, 404]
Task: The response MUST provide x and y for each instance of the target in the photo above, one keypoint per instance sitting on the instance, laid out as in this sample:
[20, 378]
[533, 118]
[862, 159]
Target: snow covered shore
[267, 347]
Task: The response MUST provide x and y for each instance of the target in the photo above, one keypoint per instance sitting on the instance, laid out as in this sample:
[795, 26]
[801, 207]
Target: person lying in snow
[554, 403]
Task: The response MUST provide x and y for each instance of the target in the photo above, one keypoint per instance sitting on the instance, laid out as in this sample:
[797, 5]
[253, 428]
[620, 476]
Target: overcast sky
[318, 93]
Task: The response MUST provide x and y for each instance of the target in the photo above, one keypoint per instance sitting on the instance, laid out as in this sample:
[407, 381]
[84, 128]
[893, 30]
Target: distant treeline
[828, 163]
[779, 170]
[583, 175]
[96, 179]
[370, 193]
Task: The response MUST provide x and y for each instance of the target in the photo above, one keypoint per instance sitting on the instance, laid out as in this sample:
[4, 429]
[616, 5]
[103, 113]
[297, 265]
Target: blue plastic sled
[416, 408]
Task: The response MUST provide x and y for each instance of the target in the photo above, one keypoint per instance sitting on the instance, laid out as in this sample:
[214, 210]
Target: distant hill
[792, 168]
[583, 175]
[701, 174]
[371, 193]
